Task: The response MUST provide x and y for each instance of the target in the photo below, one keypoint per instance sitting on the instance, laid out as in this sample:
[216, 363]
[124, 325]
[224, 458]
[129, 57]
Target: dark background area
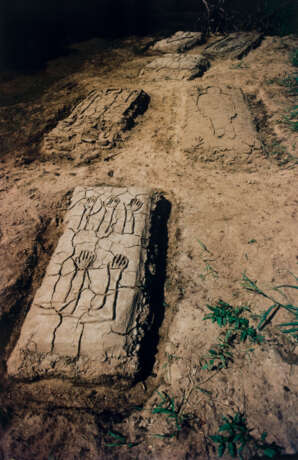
[32, 31]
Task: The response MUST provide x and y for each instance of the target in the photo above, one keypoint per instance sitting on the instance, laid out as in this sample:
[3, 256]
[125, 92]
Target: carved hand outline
[119, 262]
[90, 202]
[135, 205]
[84, 260]
[112, 202]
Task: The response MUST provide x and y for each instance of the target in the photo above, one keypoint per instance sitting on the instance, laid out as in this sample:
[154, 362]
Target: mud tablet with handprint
[90, 310]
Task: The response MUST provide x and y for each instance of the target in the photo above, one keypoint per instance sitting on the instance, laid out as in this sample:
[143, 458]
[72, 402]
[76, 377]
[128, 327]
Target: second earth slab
[217, 123]
[176, 67]
[98, 122]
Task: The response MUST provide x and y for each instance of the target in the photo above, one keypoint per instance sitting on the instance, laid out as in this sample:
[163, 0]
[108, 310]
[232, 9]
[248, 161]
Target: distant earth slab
[90, 314]
[176, 67]
[217, 124]
[98, 122]
[234, 46]
[178, 43]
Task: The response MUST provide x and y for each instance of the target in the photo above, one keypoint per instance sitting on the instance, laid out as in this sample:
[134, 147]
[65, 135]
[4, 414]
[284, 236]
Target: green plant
[218, 357]
[209, 270]
[291, 327]
[292, 119]
[119, 440]
[236, 327]
[294, 57]
[235, 437]
[173, 414]
[225, 314]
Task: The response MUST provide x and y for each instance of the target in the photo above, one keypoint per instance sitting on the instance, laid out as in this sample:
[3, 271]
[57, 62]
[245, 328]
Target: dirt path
[230, 214]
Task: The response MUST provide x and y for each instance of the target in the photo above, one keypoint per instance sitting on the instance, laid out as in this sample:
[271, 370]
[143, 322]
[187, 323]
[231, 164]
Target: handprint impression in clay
[99, 216]
[130, 210]
[70, 284]
[92, 211]
[105, 227]
[71, 298]
[103, 308]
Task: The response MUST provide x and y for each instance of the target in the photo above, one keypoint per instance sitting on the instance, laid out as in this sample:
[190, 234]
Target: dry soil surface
[233, 212]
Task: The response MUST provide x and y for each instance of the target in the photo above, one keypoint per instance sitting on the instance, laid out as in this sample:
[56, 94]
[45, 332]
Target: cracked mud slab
[176, 67]
[217, 124]
[234, 46]
[178, 43]
[89, 315]
[97, 123]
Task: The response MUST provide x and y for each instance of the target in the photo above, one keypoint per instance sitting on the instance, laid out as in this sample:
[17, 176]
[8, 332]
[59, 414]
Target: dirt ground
[229, 216]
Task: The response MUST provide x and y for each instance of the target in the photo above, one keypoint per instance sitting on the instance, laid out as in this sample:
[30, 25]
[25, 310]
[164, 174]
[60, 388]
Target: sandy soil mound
[222, 151]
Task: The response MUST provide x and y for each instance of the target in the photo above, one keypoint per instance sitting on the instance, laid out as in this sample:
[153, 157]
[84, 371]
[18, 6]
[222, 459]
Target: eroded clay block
[98, 122]
[176, 67]
[235, 45]
[179, 42]
[88, 317]
[217, 123]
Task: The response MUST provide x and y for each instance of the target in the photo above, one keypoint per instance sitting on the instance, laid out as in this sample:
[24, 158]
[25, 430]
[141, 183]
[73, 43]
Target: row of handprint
[105, 213]
[87, 311]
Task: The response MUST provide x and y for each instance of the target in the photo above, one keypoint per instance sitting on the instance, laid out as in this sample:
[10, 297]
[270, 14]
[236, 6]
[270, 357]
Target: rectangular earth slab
[98, 122]
[217, 123]
[178, 43]
[233, 46]
[176, 67]
[89, 316]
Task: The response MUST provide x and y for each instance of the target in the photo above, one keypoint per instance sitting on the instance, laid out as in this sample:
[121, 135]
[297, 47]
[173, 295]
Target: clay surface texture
[210, 132]
[178, 43]
[89, 315]
[235, 45]
[176, 67]
[98, 122]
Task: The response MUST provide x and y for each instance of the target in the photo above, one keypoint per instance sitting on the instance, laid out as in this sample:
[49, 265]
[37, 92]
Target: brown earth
[230, 214]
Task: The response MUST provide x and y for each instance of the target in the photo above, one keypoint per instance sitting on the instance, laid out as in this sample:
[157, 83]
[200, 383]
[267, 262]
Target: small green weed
[235, 437]
[209, 270]
[290, 328]
[225, 314]
[278, 152]
[294, 57]
[119, 440]
[236, 328]
[218, 357]
[292, 118]
[173, 414]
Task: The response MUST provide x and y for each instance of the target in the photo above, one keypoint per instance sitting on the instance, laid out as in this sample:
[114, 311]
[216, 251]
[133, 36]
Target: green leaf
[203, 246]
[226, 427]
[213, 352]
[116, 435]
[290, 331]
[232, 449]
[265, 316]
[264, 436]
[269, 452]
[221, 450]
